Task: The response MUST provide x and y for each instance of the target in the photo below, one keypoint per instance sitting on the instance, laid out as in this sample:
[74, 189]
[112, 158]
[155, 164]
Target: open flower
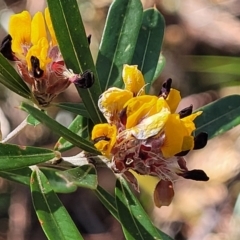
[32, 45]
[145, 135]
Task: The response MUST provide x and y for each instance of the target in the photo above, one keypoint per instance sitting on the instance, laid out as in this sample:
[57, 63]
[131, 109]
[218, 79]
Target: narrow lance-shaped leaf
[32, 121]
[160, 66]
[58, 184]
[83, 176]
[107, 200]
[90, 126]
[155, 88]
[212, 64]
[79, 127]
[52, 215]
[149, 44]
[21, 175]
[59, 129]
[11, 79]
[70, 32]
[14, 157]
[118, 41]
[135, 222]
[219, 116]
[77, 108]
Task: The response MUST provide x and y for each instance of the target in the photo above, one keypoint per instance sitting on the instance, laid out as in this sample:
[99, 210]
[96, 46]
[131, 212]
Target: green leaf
[21, 175]
[78, 126]
[149, 44]
[11, 79]
[135, 222]
[212, 64]
[85, 127]
[155, 88]
[75, 50]
[77, 108]
[219, 116]
[52, 215]
[58, 184]
[59, 129]
[107, 200]
[90, 126]
[160, 66]
[83, 176]
[32, 121]
[13, 156]
[118, 41]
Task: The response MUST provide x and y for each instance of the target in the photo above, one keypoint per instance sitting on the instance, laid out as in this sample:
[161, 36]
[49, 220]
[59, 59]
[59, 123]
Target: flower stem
[16, 131]
[80, 159]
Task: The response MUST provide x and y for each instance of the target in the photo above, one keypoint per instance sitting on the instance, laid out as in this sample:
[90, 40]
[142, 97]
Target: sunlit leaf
[219, 116]
[58, 184]
[149, 44]
[11, 79]
[21, 175]
[77, 108]
[135, 221]
[212, 64]
[83, 176]
[52, 215]
[107, 200]
[160, 66]
[79, 127]
[118, 41]
[74, 47]
[32, 121]
[14, 157]
[59, 129]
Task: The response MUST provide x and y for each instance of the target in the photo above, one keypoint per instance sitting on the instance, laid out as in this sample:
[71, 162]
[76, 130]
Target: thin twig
[80, 159]
[16, 131]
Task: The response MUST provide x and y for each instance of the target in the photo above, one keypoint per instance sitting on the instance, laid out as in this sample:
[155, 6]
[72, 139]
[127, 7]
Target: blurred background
[201, 46]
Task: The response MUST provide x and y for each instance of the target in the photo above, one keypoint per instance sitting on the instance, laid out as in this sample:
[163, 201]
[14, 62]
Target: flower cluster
[145, 135]
[38, 59]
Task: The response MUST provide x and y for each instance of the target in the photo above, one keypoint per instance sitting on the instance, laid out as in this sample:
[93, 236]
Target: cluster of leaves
[131, 36]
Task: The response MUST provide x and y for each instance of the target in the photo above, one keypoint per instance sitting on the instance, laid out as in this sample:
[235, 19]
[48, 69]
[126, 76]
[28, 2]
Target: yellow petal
[188, 121]
[175, 131]
[151, 126]
[133, 79]
[161, 103]
[111, 102]
[40, 50]
[103, 147]
[50, 27]
[173, 99]
[105, 137]
[188, 143]
[20, 30]
[139, 108]
[38, 29]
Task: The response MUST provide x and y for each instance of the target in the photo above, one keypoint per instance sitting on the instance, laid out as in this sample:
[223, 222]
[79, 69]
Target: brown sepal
[163, 193]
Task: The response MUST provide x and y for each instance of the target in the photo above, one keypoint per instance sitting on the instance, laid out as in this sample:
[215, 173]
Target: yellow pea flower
[145, 137]
[32, 46]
